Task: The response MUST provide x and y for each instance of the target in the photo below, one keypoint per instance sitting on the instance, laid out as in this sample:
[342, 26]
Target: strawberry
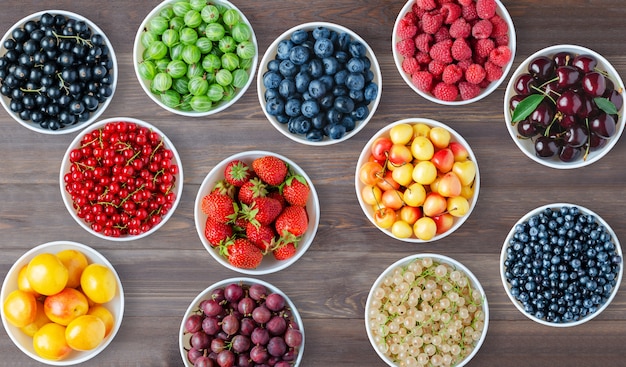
[251, 190]
[237, 173]
[278, 196]
[292, 220]
[220, 207]
[296, 190]
[263, 211]
[223, 187]
[217, 233]
[261, 236]
[272, 170]
[242, 253]
[285, 251]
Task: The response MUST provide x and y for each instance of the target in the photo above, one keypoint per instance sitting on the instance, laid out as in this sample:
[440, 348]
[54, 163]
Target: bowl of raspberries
[455, 52]
[257, 212]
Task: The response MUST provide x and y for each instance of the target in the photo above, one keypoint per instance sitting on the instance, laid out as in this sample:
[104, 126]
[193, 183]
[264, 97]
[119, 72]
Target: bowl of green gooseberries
[195, 58]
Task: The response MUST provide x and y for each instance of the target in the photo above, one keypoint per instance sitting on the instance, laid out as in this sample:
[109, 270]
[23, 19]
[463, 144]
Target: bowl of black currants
[563, 106]
[58, 72]
[561, 265]
[195, 58]
[319, 83]
[241, 322]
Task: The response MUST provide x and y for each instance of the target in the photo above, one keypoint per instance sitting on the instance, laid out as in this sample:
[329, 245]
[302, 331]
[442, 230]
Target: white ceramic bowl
[269, 264]
[527, 145]
[138, 50]
[508, 244]
[65, 169]
[398, 59]
[366, 154]
[24, 342]
[5, 101]
[194, 308]
[372, 309]
[270, 54]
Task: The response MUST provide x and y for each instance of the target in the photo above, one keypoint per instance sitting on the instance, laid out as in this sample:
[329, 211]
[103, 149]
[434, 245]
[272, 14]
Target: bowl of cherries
[121, 179]
[58, 72]
[241, 322]
[563, 106]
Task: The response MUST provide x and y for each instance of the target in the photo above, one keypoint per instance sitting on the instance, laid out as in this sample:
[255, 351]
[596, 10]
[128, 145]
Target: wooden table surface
[162, 273]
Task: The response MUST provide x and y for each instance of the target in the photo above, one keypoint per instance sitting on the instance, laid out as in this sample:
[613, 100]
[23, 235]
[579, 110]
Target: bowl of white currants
[563, 106]
[464, 67]
[58, 72]
[568, 280]
[426, 310]
[239, 321]
[417, 180]
[323, 96]
[194, 58]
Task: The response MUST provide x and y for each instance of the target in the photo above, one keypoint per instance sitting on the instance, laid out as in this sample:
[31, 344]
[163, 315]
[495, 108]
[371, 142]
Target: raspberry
[423, 58]
[442, 34]
[426, 4]
[436, 67]
[502, 40]
[411, 17]
[452, 74]
[482, 29]
[500, 56]
[410, 65]
[445, 92]
[460, 28]
[419, 12]
[451, 11]
[464, 64]
[406, 29]
[465, 2]
[475, 74]
[485, 8]
[431, 22]
[483, 47]
[500, 28]
[493, 71]
[469, 12]
[468, 90]
[423, 42]
[406, 47]
[423, 80]
[441, 51]
[461, 49]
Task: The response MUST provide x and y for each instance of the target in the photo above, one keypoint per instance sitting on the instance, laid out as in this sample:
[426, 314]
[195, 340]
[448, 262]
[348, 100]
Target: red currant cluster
[121, 179]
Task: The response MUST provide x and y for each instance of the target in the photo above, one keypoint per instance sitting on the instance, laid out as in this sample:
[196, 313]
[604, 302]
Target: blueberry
[284, 49]
[357, 95]
[271, 93]
[310, 108]
[360, 112]
[336, 131]
[287, 88]
[355, 81]
[316, 68]
[287, 68]
[343, 41]
[315, 135]
[348, 122]
[299, 36]
[323, 47]
[271, 79]
[299, 125]
[340, 90]
[355, 65]
[318, 121]
[303, 79]
[333, 116]
[321, 32]
[292, 107]
[317, 88]
[344, 104]
[341, 76]
[371, 92]
[275, 106]
[299, 54]
[342, 57]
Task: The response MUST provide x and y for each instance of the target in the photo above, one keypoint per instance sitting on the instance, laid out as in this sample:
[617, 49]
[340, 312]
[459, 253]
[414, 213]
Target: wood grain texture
[164, 272]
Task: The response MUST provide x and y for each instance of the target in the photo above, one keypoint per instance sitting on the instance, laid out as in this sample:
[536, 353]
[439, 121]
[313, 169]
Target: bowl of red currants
[121, 179]
[563, 106]
[58, 72]
[417, 180]
[195, 58]
[319, 83]
[453, 52]
[257, 212]
[561, 265]
[241, 322]
[426, 308]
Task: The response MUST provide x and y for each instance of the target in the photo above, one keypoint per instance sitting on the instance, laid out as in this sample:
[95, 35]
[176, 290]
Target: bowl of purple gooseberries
[319, 83]
[241, 322]
[563, 106]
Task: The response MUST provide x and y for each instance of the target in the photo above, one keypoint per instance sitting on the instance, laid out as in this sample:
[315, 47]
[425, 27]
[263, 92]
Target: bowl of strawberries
[257, 212]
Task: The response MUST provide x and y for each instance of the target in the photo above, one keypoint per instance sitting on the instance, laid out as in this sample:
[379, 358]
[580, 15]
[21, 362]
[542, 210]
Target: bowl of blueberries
[561, 265]
[58, 72]
[319, 83]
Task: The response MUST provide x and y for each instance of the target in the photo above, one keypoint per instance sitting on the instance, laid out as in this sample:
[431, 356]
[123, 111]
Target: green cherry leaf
[606, 105]
[526, 107]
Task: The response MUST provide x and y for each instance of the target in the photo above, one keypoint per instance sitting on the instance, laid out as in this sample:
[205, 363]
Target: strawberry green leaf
[605, 105]
[526, 107]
